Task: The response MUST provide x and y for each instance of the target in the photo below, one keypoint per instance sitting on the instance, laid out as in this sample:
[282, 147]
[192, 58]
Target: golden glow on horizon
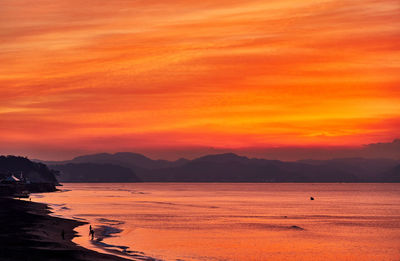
[208, 73]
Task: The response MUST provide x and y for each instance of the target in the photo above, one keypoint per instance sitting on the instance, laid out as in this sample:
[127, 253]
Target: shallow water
[181, 221]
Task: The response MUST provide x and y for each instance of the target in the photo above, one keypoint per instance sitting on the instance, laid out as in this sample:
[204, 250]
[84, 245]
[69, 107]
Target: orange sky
[120, 75]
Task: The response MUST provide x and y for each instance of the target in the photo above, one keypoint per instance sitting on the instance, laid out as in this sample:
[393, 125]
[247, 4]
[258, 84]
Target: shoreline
[30, 233]
[98, 245]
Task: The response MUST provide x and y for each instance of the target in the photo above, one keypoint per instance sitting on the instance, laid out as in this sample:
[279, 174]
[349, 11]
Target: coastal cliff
[19, 174]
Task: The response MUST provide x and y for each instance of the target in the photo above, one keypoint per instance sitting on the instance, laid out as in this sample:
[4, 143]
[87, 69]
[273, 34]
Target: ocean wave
[74, 217]
[110, 221]
[139, 192]
[103, 232]
[177, 204]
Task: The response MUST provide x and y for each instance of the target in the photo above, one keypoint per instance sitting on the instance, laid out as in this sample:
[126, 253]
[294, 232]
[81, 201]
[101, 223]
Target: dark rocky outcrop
[36, 177]
[34, 171]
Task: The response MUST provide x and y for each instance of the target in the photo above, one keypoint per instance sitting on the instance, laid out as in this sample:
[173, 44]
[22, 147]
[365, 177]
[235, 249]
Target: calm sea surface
[180, 221]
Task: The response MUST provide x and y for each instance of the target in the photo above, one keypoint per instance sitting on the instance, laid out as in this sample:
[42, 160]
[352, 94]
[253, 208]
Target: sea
[235, 221]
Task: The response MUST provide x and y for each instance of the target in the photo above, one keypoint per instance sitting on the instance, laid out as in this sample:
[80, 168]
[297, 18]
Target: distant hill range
[228, 167]
[94, 172]
[393, 175]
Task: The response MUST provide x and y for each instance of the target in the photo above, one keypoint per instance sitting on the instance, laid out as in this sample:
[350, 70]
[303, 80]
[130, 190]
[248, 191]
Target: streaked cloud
[222, 73]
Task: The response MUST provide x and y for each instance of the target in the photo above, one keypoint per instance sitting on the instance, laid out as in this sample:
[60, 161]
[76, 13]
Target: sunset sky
[134, 75]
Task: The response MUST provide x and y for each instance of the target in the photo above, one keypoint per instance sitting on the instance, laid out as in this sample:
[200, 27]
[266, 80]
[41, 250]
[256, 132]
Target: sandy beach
[29, 233]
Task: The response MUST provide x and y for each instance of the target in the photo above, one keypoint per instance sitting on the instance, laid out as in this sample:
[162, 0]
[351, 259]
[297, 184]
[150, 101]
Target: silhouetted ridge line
[92, 172]
[230, 167]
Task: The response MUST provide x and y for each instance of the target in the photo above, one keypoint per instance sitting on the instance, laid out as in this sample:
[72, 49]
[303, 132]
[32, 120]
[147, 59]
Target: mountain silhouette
[233, 168]
[367, 170]
[392, 175]
[130, 160]
[229, 167]
[91, 172]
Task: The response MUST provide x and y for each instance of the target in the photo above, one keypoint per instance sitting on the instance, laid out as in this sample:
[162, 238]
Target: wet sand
[28, 232]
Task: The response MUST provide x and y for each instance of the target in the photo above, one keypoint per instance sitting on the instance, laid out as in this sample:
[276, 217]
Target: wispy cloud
[220, 73]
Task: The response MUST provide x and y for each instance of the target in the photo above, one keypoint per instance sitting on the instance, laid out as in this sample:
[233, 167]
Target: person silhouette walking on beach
[63, 234]
[91, 233]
